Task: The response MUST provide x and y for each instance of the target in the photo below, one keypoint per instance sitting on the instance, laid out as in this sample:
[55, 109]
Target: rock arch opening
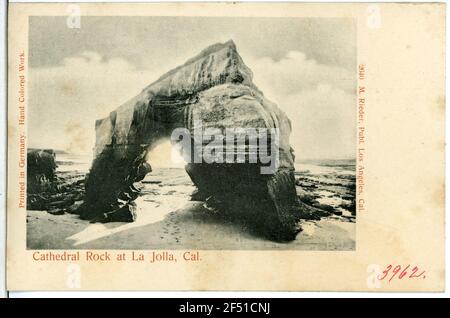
[216, 88]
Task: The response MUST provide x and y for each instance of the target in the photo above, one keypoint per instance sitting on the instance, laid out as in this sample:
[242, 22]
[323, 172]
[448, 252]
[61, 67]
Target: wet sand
[167, 219]
[188, 228]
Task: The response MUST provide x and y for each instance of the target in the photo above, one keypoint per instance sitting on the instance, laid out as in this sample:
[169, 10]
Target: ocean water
[73, 163]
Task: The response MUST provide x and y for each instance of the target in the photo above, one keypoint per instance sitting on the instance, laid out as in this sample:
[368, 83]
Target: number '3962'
[400, 272]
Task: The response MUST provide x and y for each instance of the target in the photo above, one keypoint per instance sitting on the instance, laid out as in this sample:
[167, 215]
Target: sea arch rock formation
[215, 86]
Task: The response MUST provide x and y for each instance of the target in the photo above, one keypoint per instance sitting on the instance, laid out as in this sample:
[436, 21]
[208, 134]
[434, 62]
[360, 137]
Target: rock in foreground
[216, 88]
[41, 169]
[48, 189]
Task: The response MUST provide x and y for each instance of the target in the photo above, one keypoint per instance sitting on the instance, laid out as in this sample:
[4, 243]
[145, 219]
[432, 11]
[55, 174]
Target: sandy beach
[168, 219]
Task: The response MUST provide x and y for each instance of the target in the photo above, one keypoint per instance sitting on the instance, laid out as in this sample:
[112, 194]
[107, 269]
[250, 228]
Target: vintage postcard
[226, 146]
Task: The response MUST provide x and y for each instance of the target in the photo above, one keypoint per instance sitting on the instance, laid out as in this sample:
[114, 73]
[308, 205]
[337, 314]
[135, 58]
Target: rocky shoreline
[62, 191]
[171, 213]
[333, 192]
[49, 189]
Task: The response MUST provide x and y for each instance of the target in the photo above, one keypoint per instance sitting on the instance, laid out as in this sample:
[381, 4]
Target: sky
[306, 66]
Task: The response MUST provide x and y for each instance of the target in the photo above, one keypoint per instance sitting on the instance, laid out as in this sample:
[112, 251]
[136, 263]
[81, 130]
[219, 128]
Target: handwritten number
[395, 271]
[385, 272]
[414, 271]
[404, 272]
[401, 272]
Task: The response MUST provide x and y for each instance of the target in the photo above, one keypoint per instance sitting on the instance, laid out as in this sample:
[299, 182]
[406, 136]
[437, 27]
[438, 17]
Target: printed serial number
[227, 307]
[247, 308]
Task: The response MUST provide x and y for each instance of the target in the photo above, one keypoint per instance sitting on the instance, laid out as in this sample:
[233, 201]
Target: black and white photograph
[227, 133]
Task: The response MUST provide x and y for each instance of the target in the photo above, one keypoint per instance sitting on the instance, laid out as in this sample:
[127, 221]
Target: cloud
[323, 122]
[68, 98]
[295, 72]
[319, 99]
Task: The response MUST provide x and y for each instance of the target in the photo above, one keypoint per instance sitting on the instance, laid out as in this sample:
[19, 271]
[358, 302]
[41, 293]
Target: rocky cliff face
[162, 103]
[215, 87]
